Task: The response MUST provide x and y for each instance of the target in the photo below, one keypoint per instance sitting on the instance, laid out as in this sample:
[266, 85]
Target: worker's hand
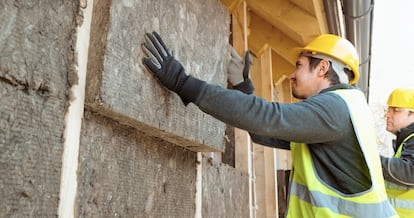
[238, 69]
[238, 72]
[162, 64]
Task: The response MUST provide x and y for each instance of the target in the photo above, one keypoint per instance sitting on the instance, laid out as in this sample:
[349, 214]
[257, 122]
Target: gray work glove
[238, 72]
[168, 70]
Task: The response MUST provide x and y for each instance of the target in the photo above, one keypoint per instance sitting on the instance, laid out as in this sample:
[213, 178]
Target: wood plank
[231, 5]
[262, 35]
[305, 5]
[264, 157]
[282, 93]
[290, 19]
[269, 153]
[281, 69]
[259, 180]
[321, 16]
[243, 145]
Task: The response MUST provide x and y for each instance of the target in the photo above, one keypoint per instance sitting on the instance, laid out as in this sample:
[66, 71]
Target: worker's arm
[238, 76]
[400, 170]
[319, 119]
[270, 142]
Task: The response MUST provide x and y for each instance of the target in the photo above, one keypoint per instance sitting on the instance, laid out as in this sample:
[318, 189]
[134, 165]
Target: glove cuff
[246, 86]
[190, 90]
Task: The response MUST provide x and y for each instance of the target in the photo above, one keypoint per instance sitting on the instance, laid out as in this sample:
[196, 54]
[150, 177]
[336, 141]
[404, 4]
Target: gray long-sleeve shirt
[401, 170]
[322, 121]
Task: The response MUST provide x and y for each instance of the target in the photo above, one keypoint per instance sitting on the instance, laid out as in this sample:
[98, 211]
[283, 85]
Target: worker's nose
[386, 113]
[292, 76]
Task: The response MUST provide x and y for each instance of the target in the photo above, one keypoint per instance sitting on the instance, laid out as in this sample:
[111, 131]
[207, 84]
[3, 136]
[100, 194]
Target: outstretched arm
[400, 170]
[300, 122]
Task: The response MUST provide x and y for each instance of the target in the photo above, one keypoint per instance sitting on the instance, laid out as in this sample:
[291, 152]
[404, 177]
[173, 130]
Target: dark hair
[331, 74]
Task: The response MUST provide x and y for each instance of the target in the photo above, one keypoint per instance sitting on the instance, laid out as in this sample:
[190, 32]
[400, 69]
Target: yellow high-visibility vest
[401, 197]
[310, 197]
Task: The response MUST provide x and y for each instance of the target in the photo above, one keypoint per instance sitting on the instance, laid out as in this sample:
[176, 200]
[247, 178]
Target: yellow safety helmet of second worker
[401, 97]
[334, 46]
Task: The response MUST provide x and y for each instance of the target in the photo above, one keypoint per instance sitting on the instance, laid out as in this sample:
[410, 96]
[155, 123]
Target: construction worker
[334, 171]
[399, 170]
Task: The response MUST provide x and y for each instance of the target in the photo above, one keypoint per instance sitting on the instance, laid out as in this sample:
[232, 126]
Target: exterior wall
[126, 173]
[119, 86]
[225, 191]
[36, 65]
[138, 143]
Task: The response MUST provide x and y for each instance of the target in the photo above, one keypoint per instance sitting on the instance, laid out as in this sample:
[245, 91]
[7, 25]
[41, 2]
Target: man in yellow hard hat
[399, 170]
[336, 172]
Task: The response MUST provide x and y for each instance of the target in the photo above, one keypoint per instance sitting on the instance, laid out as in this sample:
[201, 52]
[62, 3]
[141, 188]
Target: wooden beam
[316, 9]
[231, 5]
[283, 94]
[263, 35]
[321, 16]
[290, 19]
[243, 145]
[305, 5]
[238, 30]
[264, 157]
[269, 153]
[242, 141]
[281, 68]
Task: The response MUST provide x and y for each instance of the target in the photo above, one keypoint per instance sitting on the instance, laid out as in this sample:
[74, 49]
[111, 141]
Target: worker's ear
[323, 67]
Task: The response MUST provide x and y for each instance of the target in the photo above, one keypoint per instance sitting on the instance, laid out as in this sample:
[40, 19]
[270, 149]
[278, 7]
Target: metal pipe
[333, 17]
[358, 17]
[358, 23]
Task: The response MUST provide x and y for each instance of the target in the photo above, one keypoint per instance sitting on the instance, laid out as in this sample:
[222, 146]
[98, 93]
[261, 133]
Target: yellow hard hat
[401, 97]
[334, 46]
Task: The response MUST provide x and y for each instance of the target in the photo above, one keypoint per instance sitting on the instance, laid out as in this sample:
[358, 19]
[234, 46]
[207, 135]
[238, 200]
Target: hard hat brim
[295, 52]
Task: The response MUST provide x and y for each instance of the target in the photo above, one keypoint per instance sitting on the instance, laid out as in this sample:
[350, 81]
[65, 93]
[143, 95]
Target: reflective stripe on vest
[311, 197]
[401, 197]
[401, 203]
[347, 208]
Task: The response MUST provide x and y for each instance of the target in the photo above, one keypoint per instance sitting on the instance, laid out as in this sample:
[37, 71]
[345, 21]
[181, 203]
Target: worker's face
[305, 80]
[398, 118]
